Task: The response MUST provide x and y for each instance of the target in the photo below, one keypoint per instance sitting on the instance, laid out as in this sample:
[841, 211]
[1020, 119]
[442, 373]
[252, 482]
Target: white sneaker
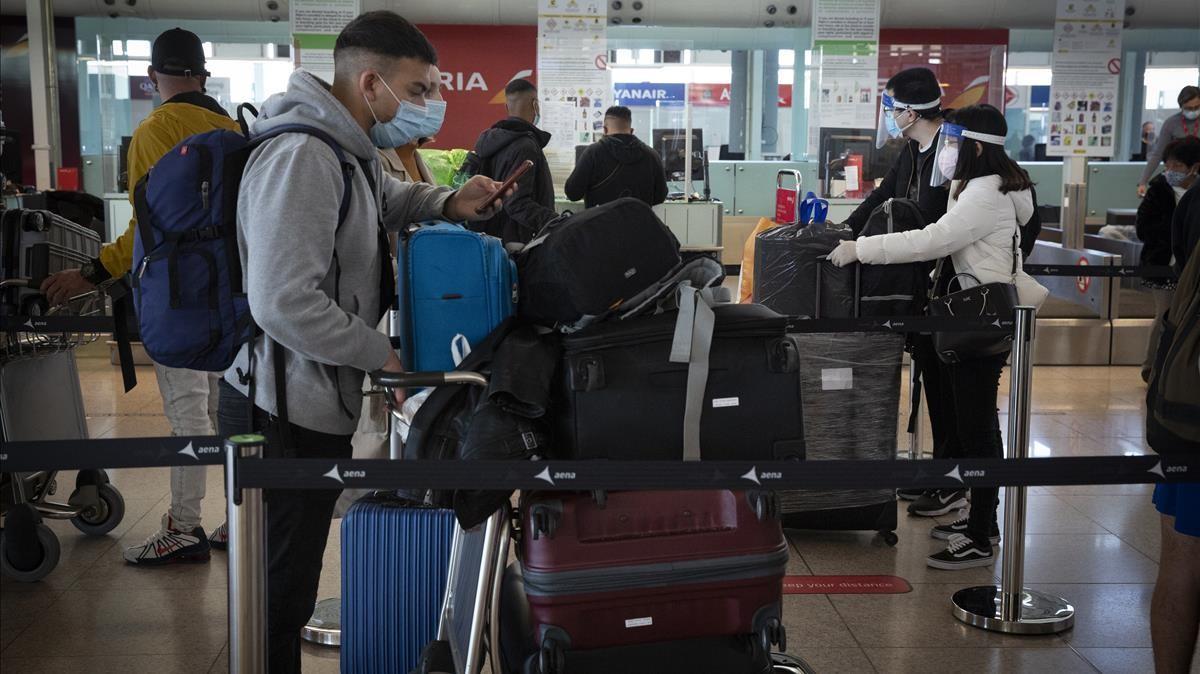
[219, 539]
[169, 545]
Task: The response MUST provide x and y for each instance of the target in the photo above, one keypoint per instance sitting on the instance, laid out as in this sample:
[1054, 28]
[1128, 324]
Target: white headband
[985, 137]
[917, 106]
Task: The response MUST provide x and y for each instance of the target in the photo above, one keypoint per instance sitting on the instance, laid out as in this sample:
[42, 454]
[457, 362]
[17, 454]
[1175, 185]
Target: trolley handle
[393, 380]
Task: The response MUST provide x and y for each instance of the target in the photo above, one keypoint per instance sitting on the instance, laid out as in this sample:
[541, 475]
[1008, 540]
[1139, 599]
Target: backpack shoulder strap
[347, 165]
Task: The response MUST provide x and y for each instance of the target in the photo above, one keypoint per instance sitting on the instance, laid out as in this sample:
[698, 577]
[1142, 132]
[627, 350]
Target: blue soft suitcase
[395, 559]
[452, 281]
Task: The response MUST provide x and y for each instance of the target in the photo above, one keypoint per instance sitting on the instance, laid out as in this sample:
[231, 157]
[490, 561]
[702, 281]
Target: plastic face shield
[948, 144]
[889, 109]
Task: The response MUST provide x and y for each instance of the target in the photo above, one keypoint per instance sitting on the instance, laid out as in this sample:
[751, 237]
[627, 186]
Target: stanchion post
[1011, 607]
[247, 562]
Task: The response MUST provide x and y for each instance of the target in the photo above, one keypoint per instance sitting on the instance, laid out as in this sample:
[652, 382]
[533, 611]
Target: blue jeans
[297, 525]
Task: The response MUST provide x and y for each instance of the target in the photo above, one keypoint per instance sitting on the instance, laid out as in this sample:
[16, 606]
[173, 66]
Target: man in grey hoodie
[317, 288]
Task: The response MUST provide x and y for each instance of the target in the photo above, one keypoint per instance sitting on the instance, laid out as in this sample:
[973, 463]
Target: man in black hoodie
[501, 149]
[619, 165]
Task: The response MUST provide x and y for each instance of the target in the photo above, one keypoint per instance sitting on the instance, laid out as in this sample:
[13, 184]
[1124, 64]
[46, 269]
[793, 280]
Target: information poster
[315, 27]
[846, 38]
[1085, 81]
[573, 79]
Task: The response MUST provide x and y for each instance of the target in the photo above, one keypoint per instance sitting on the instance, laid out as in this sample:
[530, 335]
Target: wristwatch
[94, 272]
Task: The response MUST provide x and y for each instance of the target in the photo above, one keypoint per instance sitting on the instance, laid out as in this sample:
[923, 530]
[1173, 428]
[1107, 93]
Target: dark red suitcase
[641, 567]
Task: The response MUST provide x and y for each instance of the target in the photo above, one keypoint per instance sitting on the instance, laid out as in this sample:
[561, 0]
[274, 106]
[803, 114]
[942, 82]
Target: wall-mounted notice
[846, 43]
[315, 27]
[1086, 76]
[573, 79]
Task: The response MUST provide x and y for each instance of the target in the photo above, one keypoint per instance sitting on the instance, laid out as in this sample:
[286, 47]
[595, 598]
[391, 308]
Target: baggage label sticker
[639, 622]
[726, 402]
[837, 379]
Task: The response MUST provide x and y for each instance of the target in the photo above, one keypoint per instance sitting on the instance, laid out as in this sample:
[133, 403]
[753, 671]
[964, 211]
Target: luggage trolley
[40, 399]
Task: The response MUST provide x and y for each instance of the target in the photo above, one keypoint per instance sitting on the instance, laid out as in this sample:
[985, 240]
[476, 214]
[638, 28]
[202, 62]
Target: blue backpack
[187, 276]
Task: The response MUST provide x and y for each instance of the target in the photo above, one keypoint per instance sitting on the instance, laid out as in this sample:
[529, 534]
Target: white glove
[844, 254]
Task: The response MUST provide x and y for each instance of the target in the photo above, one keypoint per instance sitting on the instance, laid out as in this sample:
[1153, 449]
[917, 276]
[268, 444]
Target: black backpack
[894, 289]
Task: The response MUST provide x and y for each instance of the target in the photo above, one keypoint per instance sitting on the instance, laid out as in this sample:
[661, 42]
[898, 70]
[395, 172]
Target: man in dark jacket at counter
[619, 165]
[917, 118]
[501, 149]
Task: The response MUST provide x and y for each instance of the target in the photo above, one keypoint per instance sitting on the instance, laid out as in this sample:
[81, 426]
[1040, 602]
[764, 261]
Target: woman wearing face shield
[978, 235]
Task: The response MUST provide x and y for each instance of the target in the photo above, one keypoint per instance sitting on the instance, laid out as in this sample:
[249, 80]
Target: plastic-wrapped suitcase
[613, 372]
[787, 261]
[643, 568]
[395, 557]
[851, 388]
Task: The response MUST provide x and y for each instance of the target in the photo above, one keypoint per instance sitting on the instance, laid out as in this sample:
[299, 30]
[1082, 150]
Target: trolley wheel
[50, 554]
[551, 657]
[104, 515]
[890, 538]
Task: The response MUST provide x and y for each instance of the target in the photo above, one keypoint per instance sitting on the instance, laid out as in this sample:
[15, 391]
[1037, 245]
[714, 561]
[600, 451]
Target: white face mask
[1190, 115]
[948, 161]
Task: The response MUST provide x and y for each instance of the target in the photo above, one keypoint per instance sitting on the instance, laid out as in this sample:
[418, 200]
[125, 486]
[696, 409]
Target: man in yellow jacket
[189, 396]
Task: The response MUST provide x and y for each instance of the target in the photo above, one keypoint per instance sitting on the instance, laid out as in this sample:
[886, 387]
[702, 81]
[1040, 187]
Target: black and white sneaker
[937, 502]
[169, 545]
[910, 494]
[961, 553]
[944, 532]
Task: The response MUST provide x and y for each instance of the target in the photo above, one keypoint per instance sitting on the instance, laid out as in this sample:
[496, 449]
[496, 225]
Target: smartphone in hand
[508, 183]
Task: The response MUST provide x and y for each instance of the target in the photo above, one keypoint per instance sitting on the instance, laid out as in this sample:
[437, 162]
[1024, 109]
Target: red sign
[1082, 283]
[1114, 66]
[967, 62]
[719, 95]
[476, 63]
[845, 585]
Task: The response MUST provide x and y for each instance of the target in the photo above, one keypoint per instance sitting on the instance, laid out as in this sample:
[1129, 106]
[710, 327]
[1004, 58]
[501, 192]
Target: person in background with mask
[911, 111]
[504, 147]
[317, 284]
[980, 235]
[1182, 124]
[1154, 215]
[404, 162]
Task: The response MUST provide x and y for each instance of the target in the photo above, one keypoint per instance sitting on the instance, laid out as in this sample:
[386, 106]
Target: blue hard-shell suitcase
[451, 281]
[395, 558]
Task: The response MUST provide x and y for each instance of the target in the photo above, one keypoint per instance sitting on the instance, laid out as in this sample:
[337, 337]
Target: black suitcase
[582, 266]
[792, 277]
[620, 397]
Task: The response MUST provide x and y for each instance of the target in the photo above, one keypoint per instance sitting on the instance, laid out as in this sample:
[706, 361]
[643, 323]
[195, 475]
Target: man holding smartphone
[502, 150]
[318, 283]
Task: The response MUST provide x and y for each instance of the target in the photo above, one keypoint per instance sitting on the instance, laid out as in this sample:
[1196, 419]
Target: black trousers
[925, 359]
[297, 526]
[967, 393]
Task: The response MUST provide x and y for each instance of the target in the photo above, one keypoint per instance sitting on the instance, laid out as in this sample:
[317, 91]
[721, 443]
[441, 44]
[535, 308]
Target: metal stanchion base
[325, 626]
[1041, 613]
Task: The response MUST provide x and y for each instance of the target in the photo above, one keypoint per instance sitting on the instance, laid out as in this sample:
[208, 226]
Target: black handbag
[983, 299]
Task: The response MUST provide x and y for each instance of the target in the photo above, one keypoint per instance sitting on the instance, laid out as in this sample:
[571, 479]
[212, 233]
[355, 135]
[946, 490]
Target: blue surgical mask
[403, 128]
[893, 129]
[1190, 115]
[435, 115]
[1176, 178]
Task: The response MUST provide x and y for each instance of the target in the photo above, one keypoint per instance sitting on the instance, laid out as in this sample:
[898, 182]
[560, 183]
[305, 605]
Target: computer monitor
[671, 146]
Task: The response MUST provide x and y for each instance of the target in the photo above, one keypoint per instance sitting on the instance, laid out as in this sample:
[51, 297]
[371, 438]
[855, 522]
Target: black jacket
[932, 200]
[1185, 226]
[501, 149]
[618, 166]
[1154, 222]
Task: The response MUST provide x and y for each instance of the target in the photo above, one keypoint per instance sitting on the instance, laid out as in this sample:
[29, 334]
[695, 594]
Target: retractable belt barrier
[386, 474]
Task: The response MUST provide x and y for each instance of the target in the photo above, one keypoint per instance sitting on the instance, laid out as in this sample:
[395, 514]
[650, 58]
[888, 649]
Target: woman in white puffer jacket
[979, 235]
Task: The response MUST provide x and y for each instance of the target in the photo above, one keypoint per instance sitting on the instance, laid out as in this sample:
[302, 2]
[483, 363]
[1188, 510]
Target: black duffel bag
[583, 266]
